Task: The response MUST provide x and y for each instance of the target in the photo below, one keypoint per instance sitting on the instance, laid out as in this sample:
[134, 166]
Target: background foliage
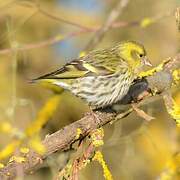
[133, 149]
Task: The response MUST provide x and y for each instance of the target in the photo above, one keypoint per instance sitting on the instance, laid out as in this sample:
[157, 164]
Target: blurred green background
[133, 148]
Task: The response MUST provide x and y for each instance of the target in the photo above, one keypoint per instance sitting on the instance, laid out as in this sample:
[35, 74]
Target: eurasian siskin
[102, 77]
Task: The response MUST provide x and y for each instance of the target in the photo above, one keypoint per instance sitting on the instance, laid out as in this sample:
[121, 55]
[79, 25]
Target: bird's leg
[94, 115]
[141, 113]
[142, 95]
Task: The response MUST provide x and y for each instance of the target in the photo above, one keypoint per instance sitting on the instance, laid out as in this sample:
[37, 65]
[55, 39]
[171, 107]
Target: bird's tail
[55, 85]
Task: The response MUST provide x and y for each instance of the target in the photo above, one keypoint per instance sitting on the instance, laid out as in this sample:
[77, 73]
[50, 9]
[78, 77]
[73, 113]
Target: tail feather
[56, 85]
[51, 75]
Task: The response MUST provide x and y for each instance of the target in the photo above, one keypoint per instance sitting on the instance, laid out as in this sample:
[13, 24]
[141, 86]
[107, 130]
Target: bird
[101, 77]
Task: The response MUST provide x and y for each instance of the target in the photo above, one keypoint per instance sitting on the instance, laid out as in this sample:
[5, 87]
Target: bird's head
[134, 54]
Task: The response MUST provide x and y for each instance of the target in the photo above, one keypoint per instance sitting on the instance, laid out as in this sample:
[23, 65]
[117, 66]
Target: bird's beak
[146, 61]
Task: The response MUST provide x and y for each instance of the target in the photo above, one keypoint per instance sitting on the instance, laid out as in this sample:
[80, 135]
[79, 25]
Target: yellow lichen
[153, 70]
[24, 150]
[106, 172]
[43, 116]
[146, 22]
[81, 54]
[175, 113]
[59, 37]
[5, 127]
[33, 129]
[36, 144]
[8, 173]
[1, 165]
[173, 107]
[18, 159]
[176, 75]
[78, 133]
[171, 168]
[97, 137]
[86, 162]
[9, 149]
[65, 173]
[167, 175]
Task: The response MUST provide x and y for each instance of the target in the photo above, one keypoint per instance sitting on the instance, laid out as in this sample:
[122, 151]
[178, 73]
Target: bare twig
[114, 14]
[59, 38]
[43, 43]
[49, 15]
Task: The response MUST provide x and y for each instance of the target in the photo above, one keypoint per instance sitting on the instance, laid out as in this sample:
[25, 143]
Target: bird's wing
[75, 69]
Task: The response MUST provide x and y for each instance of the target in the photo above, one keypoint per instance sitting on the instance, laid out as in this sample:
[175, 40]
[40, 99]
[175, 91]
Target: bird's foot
[94, 115]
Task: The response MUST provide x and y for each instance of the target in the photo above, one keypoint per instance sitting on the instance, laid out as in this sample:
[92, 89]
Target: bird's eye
[140, 55]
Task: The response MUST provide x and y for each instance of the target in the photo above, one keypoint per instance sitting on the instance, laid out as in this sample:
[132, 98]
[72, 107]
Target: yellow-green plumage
[101, 77]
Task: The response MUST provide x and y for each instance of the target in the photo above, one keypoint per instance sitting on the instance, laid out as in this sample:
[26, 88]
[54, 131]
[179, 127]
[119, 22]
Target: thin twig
[114, 14]
[50, 15]
[47, 14]
[109, 25]
[59, 38]
[43, 43]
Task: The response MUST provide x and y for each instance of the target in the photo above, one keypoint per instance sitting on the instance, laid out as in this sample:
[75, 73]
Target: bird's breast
[102, 91]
